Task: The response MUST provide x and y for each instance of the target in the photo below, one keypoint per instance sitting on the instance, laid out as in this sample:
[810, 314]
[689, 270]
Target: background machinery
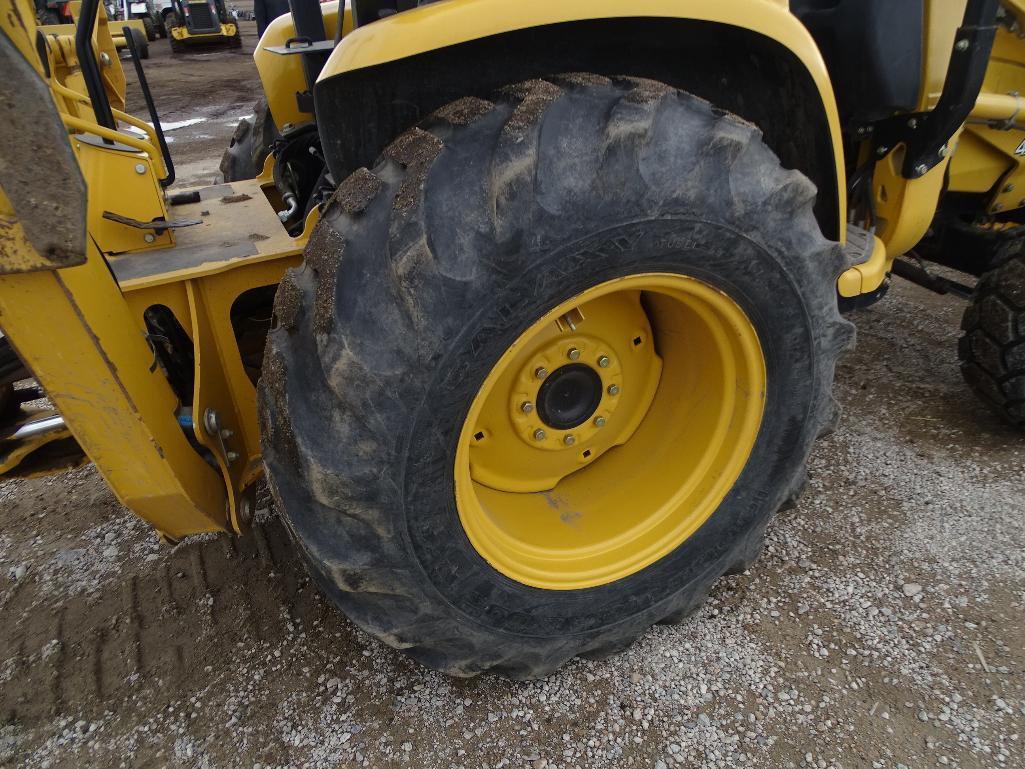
[528, 312]
[201, 23]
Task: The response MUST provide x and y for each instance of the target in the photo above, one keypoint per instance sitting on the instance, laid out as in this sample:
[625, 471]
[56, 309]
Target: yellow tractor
[202, 23]
[529, 313]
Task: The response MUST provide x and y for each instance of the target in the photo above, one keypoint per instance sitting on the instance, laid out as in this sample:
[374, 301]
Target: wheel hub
[569, 396]
[578, 388]
[610, 431]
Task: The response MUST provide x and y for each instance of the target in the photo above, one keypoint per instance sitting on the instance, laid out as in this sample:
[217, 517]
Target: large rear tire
[250, 145]
[992, 349]
[633, 219]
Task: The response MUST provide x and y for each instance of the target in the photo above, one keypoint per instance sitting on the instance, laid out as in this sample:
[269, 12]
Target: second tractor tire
[992, 350]
[250, 145]
[420, 277]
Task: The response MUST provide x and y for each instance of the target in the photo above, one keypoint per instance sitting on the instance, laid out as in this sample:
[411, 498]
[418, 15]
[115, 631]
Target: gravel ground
[884, 625]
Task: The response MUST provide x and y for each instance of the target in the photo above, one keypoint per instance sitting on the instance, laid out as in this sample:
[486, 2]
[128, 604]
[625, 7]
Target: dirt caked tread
[364, 327]
[992, 348]
[250, 144]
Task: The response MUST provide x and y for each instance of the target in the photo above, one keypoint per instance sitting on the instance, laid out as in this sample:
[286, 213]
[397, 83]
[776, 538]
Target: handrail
[109, 134]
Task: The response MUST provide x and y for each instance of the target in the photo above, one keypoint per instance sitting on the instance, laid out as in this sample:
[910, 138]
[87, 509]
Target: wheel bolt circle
[599, 421]
[613, 389]
[569, 440]
[526, 407]
[603, 361]
[540, 435]
[573, 353]
[541, 372]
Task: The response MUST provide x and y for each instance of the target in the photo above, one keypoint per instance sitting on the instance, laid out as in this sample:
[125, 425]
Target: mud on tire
[421, 273]
[992, 349]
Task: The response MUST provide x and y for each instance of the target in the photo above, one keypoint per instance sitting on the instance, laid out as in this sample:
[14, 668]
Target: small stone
[911, 589]
[923, 716]
[110, 552]
[19, 572]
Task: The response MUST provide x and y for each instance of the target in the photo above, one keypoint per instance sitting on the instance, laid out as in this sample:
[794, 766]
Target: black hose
[90, 68]
[168, 180]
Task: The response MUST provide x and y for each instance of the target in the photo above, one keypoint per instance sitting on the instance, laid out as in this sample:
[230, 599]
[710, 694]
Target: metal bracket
[295, 46]
[157, 225]
[926, 135]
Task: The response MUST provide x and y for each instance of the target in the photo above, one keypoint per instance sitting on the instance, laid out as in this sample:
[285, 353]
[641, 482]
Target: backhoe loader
[528, 315]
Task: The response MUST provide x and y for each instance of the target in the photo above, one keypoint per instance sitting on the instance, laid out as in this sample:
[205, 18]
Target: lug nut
[603, 361]
[613, 389]
[140, 168]
[526, 407]
[540, 435]
[569, 440]
[573, 353]
[599, 421]
[541, 372]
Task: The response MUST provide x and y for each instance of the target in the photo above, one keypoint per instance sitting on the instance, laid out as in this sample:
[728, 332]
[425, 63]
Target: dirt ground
[883, 627]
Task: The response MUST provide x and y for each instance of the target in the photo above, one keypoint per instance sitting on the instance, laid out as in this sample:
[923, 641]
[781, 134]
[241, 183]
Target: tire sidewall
[713, 252]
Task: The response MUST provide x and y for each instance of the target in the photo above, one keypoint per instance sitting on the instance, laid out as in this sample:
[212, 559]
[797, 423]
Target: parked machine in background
[146, 12]
[53, 11]
[202, 23]
[528, 312]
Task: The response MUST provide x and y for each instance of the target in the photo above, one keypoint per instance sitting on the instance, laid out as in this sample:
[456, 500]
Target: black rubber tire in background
[424, 270]
[992, 349]
[177, 46]
[141, 43]
[249, 146]
[151, 28]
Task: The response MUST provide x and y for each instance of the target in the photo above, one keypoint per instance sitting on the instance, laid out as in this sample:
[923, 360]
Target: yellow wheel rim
[560, 487]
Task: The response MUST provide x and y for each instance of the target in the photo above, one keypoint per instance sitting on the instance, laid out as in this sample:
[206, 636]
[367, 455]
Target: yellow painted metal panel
[99, 373]
[282, 76]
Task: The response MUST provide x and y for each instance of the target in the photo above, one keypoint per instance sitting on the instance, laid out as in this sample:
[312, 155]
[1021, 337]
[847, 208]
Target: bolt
[105, 59]
[599, 421]
[232, 456]
[998, 206]
[1021, 203]
[149, 237]
[140, 168]
[541, 372]
[944, 151]
[921, 169]
[961, 45]
[526, 407]
[1008, 188]
[603, 361]
[882, 151]
[226, 433]
[913, 123]
[569, 440]
[613, 389]
[573, 353]
[539, 434]
[245, 509]
[211, 421]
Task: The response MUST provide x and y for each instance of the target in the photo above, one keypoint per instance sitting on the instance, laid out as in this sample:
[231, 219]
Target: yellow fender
[441, 25]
